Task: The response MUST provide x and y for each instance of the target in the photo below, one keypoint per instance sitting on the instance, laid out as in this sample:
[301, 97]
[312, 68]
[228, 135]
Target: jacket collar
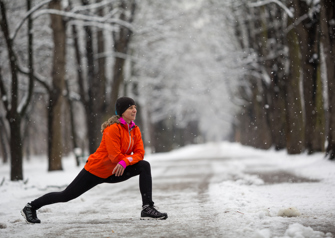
[123, 122]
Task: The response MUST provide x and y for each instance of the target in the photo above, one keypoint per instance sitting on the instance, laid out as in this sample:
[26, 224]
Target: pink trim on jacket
[131, 124]
[124, 165]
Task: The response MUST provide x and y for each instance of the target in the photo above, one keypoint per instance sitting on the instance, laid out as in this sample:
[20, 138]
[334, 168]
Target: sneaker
[150, 212]
[29, 213]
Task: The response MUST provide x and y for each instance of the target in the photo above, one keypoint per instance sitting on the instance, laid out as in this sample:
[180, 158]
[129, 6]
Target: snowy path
[208, 191]
[109, 210]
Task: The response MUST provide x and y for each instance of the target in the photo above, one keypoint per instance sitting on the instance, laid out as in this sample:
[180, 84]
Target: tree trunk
[80, 77]
[101, 74]
[294, 112]
[259, 127]
[16, 149]
[253, 119]
[276, 70]
[269, 101]
[56, 97]
[72, 124]
[90, 106]
[13, 114]
[94, 102]
[121, 45]
[328, 42]
[30, 75]
[309, 48]
[4, 141]
[277, 113]
[25, 133]
[118, 78]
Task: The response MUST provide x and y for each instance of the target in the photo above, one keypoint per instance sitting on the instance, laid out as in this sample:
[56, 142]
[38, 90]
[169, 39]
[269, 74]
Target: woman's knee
[144, 164]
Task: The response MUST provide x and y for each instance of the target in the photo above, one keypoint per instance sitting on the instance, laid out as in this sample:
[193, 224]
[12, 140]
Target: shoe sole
[151, 218]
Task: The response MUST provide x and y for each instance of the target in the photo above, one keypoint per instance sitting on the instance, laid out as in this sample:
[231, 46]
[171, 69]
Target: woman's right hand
[118, 170]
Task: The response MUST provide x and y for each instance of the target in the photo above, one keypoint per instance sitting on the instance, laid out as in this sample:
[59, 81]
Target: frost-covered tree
[259, 27]
[283, 39]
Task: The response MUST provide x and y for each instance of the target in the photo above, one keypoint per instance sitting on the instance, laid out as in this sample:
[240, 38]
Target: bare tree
[295, 131]
[121, 42]
[273, 44]
[92, 86]
[58, 86]
[72, 122]
[327, 20]
[307, 32]
[290, 128]
[263, 115]
[15, 110]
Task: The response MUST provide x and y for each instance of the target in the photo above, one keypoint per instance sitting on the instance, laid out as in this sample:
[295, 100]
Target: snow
[289, 212]
[214, 189]
[77, 151]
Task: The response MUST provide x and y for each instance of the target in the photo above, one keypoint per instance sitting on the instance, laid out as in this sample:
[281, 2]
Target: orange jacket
[119, 142]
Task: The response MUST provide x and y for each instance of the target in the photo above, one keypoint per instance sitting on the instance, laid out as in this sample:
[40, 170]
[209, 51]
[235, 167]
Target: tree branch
[3, 92]
[103, 26]
[4, 131]
[12, 59]
[262, 3]
[25, 103]
[115, 55]
[296, 23]
[84, 17]
[80, 76]
[76, 9]
[34, 9]
[92, 6]
[38, 78]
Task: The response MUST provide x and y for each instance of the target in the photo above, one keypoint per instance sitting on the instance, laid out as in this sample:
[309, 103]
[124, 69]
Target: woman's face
[130, 114]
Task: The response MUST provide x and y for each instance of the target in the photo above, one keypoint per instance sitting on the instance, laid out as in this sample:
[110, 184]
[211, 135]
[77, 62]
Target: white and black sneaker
[150, 213]
[29, 214]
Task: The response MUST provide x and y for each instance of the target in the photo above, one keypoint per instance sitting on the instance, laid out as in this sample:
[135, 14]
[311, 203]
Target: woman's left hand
[118, 170]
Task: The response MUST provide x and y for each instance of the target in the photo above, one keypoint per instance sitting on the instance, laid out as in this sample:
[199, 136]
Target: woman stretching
[118, 158]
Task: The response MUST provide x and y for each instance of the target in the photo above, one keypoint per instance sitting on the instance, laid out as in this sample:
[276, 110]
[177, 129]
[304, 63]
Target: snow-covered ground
[210, 190]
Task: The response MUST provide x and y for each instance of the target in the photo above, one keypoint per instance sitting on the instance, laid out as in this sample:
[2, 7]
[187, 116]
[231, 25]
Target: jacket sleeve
[138, 149]
[113, 144]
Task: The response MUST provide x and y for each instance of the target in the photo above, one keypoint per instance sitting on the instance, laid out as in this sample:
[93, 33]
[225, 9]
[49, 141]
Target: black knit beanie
[122, 104]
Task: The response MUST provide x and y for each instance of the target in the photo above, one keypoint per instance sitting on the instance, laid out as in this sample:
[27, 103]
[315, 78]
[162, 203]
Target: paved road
[180, 188]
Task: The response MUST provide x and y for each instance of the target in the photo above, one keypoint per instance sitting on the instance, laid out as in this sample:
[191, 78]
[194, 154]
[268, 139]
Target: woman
[118, 158]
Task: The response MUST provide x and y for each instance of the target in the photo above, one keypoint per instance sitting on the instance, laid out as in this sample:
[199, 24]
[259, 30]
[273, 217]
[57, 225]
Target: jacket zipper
[129, 139]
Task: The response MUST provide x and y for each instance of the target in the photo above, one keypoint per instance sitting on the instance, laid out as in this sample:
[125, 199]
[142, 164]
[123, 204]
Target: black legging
[85, 181]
